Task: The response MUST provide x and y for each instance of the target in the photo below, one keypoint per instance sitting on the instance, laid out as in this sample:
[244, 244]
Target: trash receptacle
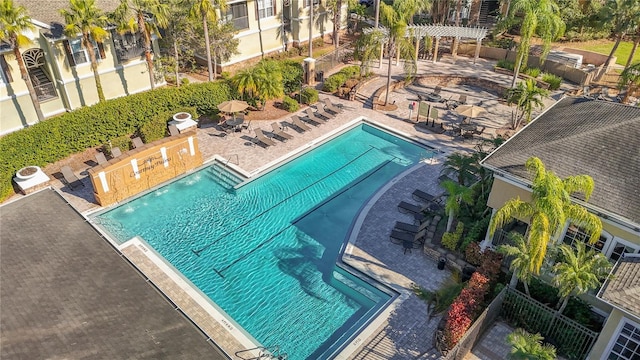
[442, 261]
[320, 76]
[467, 272]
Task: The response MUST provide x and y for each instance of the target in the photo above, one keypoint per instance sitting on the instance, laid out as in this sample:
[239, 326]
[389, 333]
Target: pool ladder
[266, 353]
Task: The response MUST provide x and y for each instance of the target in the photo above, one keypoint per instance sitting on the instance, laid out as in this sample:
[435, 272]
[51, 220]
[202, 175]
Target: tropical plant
[457, 194]
[14, 21]
[526, 346]
[451, 240]
[335, 6]
[578, 271]
[630, 79]
[145, 17]
[84, 17]
[262, 82]
[526, 96]
[367, 48]
[554, 81]
[409, 8]
[621, 16]
[541, 17]
[462, 166]
[440, 300]
[521, 254]
[549, 209]
[464, 309]
[205, 11]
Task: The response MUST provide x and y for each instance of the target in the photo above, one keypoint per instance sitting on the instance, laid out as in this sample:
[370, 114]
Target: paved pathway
[407, 332]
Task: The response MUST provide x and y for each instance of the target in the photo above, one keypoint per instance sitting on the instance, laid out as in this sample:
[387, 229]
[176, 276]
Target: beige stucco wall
[608, 332]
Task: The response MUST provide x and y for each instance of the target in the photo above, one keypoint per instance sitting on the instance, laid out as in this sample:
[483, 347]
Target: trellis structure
[440, 31]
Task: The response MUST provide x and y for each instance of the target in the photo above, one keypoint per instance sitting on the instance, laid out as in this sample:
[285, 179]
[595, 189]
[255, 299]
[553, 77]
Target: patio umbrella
[469, 110]
[233, 106]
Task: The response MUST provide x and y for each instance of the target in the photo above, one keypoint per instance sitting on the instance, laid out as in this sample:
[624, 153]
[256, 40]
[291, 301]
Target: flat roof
[66, 293]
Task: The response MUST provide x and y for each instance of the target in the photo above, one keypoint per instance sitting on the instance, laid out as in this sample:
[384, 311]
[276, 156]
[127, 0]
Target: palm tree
[84, 17]
[549, 209]
[457, 194]
[526, 346]
[620, 14]
[14, 21]
[145, 17]
[463, 166]
[526, 96]
[521, 253]
[409, 8]
[630, 78]
[397, 42]
[578, 272]
[263, 82]
[335, 6]
[205, 10]
[541, 17]
[367, 48]
[246, 82]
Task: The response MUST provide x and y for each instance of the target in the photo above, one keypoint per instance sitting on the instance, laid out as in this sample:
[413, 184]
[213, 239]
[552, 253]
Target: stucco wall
[155, 163]
[608, 332]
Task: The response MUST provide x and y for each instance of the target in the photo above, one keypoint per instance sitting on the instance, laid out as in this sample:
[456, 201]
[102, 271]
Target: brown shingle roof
[623, 290]
[584, 136]
[48, 11]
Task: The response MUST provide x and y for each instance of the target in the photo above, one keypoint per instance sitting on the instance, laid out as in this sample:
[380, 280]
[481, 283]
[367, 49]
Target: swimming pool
[266, 253]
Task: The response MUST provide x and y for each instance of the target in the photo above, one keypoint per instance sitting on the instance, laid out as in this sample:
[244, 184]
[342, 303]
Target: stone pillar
[487, 242]
[417, 47]
[435, 50]
[310, 71]
[477, 54]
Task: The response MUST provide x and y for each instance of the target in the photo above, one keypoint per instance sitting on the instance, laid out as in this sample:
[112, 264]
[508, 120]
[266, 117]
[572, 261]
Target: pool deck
[407, 333]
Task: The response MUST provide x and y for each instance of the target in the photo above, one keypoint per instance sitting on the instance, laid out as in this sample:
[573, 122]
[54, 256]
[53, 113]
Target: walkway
[407, 332]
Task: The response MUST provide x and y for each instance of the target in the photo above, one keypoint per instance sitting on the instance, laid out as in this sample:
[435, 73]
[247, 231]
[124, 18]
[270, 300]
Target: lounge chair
[408, 241]
[422, 196]
[279, 132]
[137, 142]
[70, 178]
[101, 159]
[411, 228]
[173, 130]
[295, 120]
[312, 116]
[261, 137]
[115, 152]
[462, 100]
[334, 108]
[321, 111]
[409, 208]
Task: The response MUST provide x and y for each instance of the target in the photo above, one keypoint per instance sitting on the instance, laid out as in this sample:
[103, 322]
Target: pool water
[266, 252]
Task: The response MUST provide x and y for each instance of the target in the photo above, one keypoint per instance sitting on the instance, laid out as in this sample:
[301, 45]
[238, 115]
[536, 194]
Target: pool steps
[224, 176]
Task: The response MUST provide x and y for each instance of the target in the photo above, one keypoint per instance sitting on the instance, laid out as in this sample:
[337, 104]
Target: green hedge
[156, 129]
[55, 139]
[335, 81]
[309, 96]
[289, 104]
[554, 81]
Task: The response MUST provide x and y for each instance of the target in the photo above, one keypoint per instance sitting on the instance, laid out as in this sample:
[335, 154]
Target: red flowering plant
[464, 309]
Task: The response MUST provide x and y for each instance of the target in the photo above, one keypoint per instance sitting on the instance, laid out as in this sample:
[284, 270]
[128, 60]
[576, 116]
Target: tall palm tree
[630, 78]
[526, 96]
[620, 14]
[262, 82]
[526, 346]
[549, 209]
[541, 17]
[145, 17]
[14, 21]
[367, 48]
[521, 253]
[397, 42]
[456, 195]
[84, 17]
[462, 166]
[578, 272]
[246, 82]
[205, 11]
[409, 8]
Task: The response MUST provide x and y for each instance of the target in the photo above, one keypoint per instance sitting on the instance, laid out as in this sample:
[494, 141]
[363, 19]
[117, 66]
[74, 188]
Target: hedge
[309, 96]
[335, 81]
[156, 129]
[55, 139]
[289, 104]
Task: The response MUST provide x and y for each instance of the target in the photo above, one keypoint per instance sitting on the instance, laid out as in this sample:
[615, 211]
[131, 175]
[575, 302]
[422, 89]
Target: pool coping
[218, 315]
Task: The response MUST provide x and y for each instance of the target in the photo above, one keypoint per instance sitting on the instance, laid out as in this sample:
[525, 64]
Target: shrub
[505, 64]
[473, 255]
[157, 128]
[450, 240]
[533, 72]
[289, 104]
[476, 232]
[309, 96]
[121, 142]
[464, 309]
[490, 265]
[61, 136]
[333, 82]
[553, 81]
[351, 72]
[440, 300]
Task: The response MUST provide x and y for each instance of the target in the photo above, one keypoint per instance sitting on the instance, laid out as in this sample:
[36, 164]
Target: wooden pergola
[440, 31]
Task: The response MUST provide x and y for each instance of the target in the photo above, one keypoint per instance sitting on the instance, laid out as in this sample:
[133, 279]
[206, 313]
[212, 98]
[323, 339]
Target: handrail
[266, 353]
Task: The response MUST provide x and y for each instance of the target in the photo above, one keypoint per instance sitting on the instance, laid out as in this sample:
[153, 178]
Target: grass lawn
[605, 46]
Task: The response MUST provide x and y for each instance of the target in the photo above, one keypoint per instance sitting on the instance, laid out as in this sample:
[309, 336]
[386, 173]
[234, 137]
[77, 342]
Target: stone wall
[143, 168]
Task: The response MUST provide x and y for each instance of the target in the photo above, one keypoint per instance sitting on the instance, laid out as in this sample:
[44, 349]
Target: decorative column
[435, 50]
[310, 70]
[477, 54]
[487, 242]
[417, 46]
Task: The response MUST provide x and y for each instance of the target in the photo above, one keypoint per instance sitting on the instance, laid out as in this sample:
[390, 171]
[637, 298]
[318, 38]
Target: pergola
[439, 31]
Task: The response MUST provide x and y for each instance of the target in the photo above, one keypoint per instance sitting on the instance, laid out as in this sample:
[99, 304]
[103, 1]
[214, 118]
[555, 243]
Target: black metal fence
[333, 59]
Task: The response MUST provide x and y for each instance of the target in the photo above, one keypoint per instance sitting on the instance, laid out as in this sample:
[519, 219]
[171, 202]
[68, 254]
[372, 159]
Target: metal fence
[571, 339]
[334, 58]
[482, 323]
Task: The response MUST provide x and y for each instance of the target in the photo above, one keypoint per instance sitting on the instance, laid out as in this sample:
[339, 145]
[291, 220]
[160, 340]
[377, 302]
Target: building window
[307, 2]
[35, 63]
[237, 14]
[627, 344]
[620, 248]
[574, 234]
[80, 55]
[128, 46]
[265, 8]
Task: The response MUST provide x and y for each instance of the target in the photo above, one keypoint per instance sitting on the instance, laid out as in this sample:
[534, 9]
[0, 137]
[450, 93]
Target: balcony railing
[128, 53]
[46, 91]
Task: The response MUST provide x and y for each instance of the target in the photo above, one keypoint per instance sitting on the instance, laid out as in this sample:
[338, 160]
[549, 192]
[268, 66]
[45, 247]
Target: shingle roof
[583, 136]
[67, 294]
[48, 11]
[623, 290]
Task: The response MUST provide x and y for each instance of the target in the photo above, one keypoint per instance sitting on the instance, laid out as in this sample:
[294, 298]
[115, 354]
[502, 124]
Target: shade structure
[469, 110]
[233, 106]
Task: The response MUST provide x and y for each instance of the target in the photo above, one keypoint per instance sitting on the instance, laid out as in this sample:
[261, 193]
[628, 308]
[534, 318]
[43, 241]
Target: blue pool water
[266, 252]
